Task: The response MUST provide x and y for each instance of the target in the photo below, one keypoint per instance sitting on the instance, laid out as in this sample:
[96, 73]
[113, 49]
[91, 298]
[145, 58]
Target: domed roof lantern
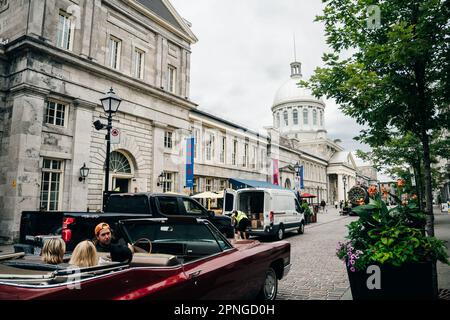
[296, 70]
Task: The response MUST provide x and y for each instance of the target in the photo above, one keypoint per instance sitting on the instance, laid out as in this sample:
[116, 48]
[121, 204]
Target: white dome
[290, 91]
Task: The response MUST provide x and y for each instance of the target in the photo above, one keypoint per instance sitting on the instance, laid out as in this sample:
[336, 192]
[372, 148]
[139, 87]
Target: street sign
[115, 136]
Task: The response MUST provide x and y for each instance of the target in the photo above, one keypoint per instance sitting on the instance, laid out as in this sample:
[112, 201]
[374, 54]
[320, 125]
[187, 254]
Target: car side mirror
[211, 214]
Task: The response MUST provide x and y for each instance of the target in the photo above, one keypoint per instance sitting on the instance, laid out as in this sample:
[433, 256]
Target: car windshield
[187, 239]
[164, 232]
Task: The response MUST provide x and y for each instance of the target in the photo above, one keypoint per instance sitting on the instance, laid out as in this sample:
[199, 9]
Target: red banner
[276, 172]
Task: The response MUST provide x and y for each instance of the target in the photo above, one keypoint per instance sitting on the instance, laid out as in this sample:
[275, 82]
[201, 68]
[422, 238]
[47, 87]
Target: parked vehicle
[185, 258]
[272, 212]
[77, 226]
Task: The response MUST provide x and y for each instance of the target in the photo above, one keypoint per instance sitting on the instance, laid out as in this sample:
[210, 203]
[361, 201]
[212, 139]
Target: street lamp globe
[111, 102]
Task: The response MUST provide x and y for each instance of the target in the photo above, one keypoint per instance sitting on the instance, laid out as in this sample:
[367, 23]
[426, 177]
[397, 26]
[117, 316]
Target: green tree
[390, 74]
[394, 78]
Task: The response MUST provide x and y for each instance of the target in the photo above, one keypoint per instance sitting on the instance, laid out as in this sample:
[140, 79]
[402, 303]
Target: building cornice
[27, 42]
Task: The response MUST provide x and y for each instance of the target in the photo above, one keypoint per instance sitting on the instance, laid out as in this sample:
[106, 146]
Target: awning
[241, 183]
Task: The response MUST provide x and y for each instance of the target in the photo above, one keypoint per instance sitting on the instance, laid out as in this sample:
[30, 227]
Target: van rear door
[229, 201]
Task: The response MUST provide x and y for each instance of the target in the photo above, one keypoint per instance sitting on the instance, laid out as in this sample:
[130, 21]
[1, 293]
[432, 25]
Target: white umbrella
[207, 195]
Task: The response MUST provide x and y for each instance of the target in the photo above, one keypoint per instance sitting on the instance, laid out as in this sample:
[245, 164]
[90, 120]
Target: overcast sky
[244, 53]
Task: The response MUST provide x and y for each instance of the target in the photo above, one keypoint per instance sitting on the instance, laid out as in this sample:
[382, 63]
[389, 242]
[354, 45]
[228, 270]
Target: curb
[313, 225]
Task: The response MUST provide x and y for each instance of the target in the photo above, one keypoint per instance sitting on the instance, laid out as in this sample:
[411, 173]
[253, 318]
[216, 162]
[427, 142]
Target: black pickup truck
[77, 226]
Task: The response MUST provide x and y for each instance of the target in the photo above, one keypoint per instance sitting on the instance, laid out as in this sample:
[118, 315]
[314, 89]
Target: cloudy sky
[244, 53]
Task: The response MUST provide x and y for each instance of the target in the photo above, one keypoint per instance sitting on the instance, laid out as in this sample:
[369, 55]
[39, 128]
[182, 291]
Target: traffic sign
[115, 136]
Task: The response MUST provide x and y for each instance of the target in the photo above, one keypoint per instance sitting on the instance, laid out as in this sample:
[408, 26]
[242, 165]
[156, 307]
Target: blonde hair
[53, 251]
[84, 255]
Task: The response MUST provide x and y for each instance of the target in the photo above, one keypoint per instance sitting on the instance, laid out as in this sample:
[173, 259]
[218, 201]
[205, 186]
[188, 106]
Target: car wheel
[280, 233]
[270, 286]
[301, 229]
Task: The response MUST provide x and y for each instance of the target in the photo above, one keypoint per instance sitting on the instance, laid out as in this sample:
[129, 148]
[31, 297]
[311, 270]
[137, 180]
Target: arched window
[285, 118]
[321, 118]
[305, 116]
[278, 120]
[315, 117]
[118, 163]
[295, 116]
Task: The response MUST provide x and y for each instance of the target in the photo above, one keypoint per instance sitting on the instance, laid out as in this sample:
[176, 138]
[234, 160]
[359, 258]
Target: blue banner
[300, 174]
[190, 145]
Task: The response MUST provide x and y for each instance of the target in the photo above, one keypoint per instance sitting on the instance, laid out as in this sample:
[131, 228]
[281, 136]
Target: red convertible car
[185, 258]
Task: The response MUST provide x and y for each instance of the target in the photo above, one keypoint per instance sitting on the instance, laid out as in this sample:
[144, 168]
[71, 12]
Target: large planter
[314, 218]
[409, 282]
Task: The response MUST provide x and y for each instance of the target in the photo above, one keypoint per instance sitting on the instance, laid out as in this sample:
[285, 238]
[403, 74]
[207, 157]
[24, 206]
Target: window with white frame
[285, 118]
[55, 113]
[321, 118]
[295, 116]
[51, 184]
[196, 185]
[115, 47]
[278, 120]
[223, 147]
[196, 142]
[245, 157]
[209, 147]
[261, 161]
[305, 116]
[315, 117]
[234, 153]
[208, 184]
[168, 182]
[138, 63]
[171, 78]
[168, 139]
[64, 35]
[254, 157]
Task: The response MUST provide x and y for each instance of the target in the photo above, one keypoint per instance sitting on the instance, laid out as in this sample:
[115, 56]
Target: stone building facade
[58, 58]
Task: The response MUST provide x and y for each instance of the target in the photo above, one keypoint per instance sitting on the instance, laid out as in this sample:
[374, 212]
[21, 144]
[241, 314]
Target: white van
[272, 212]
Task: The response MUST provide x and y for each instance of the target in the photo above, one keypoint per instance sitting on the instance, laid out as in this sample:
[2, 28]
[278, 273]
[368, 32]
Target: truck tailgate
[33, 223]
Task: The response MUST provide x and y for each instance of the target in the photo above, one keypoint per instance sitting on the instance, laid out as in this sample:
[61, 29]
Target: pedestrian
[341, 204]
[103, 243]
[323, 204]
[335, 204]
[241, 223]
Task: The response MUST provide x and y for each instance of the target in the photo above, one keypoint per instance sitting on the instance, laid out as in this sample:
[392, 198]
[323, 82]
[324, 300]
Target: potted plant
[388, 255]
[307, 212]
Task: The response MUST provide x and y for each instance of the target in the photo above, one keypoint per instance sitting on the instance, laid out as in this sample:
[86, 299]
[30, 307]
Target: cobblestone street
[316, 273]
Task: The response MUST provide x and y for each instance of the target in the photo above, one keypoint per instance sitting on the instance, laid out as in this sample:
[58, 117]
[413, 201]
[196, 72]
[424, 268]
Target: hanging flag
[301, 172]
[276, 172]
[190, 144]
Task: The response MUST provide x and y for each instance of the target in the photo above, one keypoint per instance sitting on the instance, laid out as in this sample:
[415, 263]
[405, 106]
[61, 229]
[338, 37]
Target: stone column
[78, 198]
[340, 188]
[158, 154]
[36, 17]
[21, 168]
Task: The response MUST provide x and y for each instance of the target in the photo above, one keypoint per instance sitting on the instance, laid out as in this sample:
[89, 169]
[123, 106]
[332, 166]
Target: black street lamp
[110, 103]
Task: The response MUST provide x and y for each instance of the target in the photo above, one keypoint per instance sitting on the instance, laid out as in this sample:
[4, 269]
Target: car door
[229, 201]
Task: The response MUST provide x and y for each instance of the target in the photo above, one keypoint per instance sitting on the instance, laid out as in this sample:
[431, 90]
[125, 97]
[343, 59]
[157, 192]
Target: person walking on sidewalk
[323, 204]
[336, 204]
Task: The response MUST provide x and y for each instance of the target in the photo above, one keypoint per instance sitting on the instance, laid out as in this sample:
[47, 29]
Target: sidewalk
[331, 214]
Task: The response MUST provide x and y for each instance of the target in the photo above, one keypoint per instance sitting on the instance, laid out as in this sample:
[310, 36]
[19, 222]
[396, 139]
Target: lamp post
[110, 103]
[344, 179]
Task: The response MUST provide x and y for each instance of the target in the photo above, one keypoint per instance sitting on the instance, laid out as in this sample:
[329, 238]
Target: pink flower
[352, 269]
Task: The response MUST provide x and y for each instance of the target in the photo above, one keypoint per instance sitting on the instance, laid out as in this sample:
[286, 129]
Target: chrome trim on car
[286, 269]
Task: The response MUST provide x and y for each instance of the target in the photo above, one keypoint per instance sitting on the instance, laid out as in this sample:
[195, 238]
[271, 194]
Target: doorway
[122, 185]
